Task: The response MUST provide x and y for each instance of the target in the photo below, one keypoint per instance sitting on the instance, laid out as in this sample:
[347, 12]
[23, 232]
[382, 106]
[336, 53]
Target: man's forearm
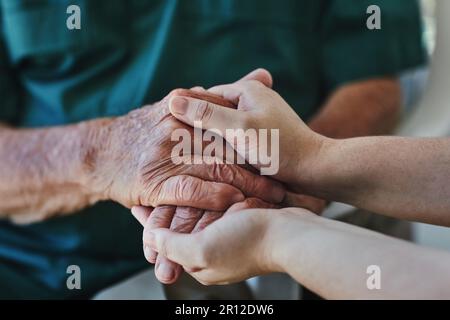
[363, 108]
[332, 259]
[44, 171]
[402, 177]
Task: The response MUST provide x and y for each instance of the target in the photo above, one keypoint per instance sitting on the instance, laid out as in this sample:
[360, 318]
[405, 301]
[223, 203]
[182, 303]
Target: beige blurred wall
[432, 115]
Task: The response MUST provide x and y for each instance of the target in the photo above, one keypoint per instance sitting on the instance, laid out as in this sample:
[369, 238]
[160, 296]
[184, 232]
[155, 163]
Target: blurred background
[431, 114]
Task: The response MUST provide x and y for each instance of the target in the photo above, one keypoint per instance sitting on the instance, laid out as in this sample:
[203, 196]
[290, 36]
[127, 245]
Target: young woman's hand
[240, 245]
[258, 107]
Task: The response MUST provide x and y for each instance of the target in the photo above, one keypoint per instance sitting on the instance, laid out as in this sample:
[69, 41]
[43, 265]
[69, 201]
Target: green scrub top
[130, 53]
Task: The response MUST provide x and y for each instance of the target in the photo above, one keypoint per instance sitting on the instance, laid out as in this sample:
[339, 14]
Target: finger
[310, 203]
[215, 100]
[167, 271]
[250, 203]
[161, 217]
[198, 89]
[201, 95]
[190, 191]
[180, 248]
[141, 213]
[184, 221]
[235, 91]
[207, 218]
[299, 211]
[250, 184]
[205, 114]
[261, 75]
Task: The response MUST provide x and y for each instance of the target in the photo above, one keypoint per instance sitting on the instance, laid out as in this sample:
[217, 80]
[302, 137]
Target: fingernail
[165, 271]
[179, 105]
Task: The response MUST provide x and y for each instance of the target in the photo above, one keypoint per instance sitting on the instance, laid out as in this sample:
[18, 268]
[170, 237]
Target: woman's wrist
[287, 233]
[311, 157]
[272, 243]
[282, 227]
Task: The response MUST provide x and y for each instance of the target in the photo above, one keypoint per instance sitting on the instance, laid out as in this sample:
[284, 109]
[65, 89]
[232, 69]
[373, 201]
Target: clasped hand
[250, 94]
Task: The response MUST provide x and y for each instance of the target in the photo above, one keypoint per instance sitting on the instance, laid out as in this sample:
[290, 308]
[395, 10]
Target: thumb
[141, 213]
[180, 248]
[206, 115]
[261, 75]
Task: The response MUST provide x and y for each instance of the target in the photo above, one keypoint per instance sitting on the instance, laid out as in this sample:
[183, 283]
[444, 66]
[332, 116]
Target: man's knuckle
[159, 217]
[195, 190]
[182, 187]
[157, 220]
[185, 219]
[224, 173]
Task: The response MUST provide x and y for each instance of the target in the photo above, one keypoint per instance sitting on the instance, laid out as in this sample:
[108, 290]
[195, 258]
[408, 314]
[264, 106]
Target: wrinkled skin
[135, 167]
[188, 220]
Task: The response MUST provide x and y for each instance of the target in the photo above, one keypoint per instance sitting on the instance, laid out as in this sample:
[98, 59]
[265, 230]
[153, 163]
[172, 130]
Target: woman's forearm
[402, 177]
[335, 260]
[406, 178]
